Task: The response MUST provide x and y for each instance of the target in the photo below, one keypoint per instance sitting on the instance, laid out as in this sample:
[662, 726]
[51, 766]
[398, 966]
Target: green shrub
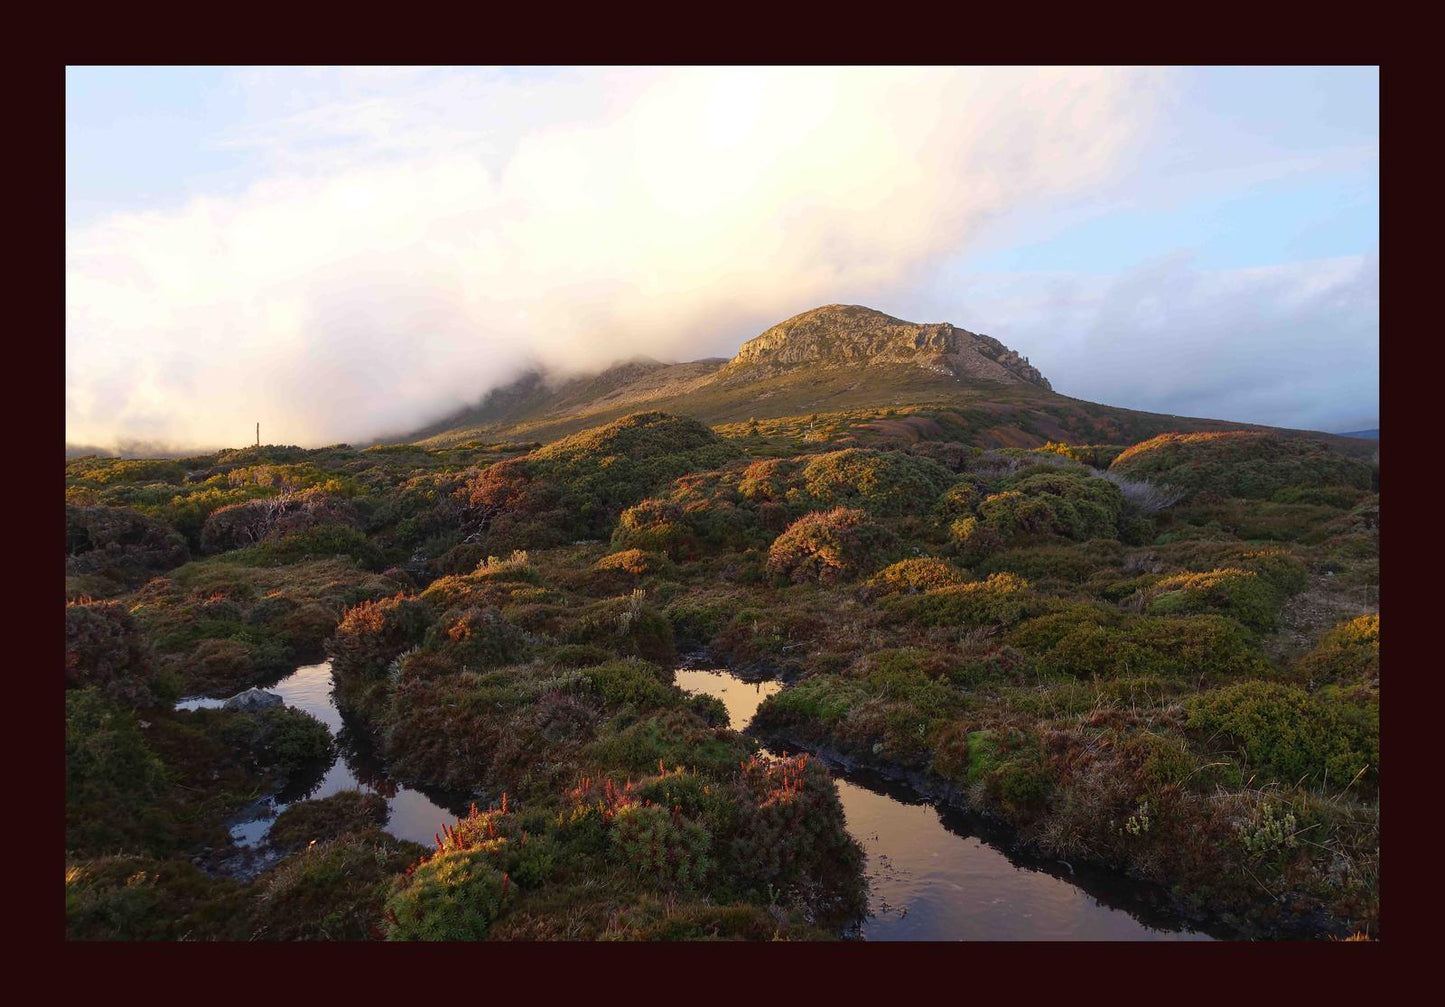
[656, 526]
[455, 895]
[1241, 463]
[791, 832]
[113, 781]
[1242, 594]
[1289, 734]
[1002, 599]
[327, 818]
[1200, 645]
[281, 738]
[882, 483]
[332, 891]
[476, 638]
[626, 626]
[662, 847]
[630, 682]
[913, 575]
[131, 898]
[1348, 653]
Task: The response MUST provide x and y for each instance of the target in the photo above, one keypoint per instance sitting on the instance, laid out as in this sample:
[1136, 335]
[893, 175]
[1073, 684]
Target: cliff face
[850, 335]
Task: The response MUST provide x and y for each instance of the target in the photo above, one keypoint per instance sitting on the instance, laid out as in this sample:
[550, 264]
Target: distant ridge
[831, 359]
[1373, 435]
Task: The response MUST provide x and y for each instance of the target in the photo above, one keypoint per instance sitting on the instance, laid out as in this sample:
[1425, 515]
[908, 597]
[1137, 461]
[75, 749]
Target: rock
[251, 700]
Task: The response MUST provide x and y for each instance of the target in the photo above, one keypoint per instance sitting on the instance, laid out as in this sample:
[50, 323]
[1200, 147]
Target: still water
[931, 876]
[414, 815]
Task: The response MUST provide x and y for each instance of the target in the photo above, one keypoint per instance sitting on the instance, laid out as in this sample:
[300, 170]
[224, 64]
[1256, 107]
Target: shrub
[1002, 599]
[1070, 504]
[455, 895]
[656, 526]
[883, 483]
[1290, 734]
[633, 561]
[105, 649]
[1350, 652]
[237, 525]
[120, 543]
[913, 575]
[1200, 645]
[626, 625]
[320, 541]
[662, 847]
[112, 778]
[772, 480]
[374, 633]
[280, 738]
[958, 501]
[1242, 594]
[332, 891]
[791, 832]
[327, 818]
[515, 567]
[829, 547]
[131, 898]
[476, 638]
[630, 682]
[1240, 463]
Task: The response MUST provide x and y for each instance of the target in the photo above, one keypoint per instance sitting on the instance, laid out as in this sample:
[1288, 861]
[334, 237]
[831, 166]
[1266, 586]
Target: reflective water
[933, 877]
[415, 815]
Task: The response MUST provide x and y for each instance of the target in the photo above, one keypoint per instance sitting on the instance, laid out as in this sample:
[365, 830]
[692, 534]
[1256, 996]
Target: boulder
[252, 700]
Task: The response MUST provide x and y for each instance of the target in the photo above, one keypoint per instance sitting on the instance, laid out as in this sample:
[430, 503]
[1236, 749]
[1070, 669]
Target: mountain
[836, 359]
[1373, 435]
[841, 335]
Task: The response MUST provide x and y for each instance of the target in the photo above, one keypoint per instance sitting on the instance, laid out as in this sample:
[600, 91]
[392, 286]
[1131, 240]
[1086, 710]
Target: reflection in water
[414, 815]
[932, 878]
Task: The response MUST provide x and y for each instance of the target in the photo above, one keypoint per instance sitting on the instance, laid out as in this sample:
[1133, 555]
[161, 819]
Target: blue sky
[1195, 241]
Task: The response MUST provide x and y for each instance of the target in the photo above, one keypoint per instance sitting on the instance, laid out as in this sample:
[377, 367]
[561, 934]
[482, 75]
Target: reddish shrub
[105, 649]
[829, 547]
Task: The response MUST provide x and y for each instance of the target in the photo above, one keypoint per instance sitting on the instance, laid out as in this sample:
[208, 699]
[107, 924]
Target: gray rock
[251, 700]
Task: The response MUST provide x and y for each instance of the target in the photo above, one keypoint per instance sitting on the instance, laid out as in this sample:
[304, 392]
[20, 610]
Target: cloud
[418, 238]
[1295, 345]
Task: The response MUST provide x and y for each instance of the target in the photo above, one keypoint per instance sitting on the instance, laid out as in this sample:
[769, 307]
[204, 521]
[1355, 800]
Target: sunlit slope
[837, 364]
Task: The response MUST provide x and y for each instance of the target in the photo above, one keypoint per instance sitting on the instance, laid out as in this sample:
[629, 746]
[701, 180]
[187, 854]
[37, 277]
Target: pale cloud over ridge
[407, 239]
[344, 296]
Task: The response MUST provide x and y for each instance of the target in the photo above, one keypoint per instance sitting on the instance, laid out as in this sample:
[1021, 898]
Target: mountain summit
[850, 334]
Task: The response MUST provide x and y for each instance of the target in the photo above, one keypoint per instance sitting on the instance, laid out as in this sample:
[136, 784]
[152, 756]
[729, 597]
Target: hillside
[841, 363]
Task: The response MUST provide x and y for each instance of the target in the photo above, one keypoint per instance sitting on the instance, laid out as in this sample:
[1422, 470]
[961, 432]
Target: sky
[351, 253]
